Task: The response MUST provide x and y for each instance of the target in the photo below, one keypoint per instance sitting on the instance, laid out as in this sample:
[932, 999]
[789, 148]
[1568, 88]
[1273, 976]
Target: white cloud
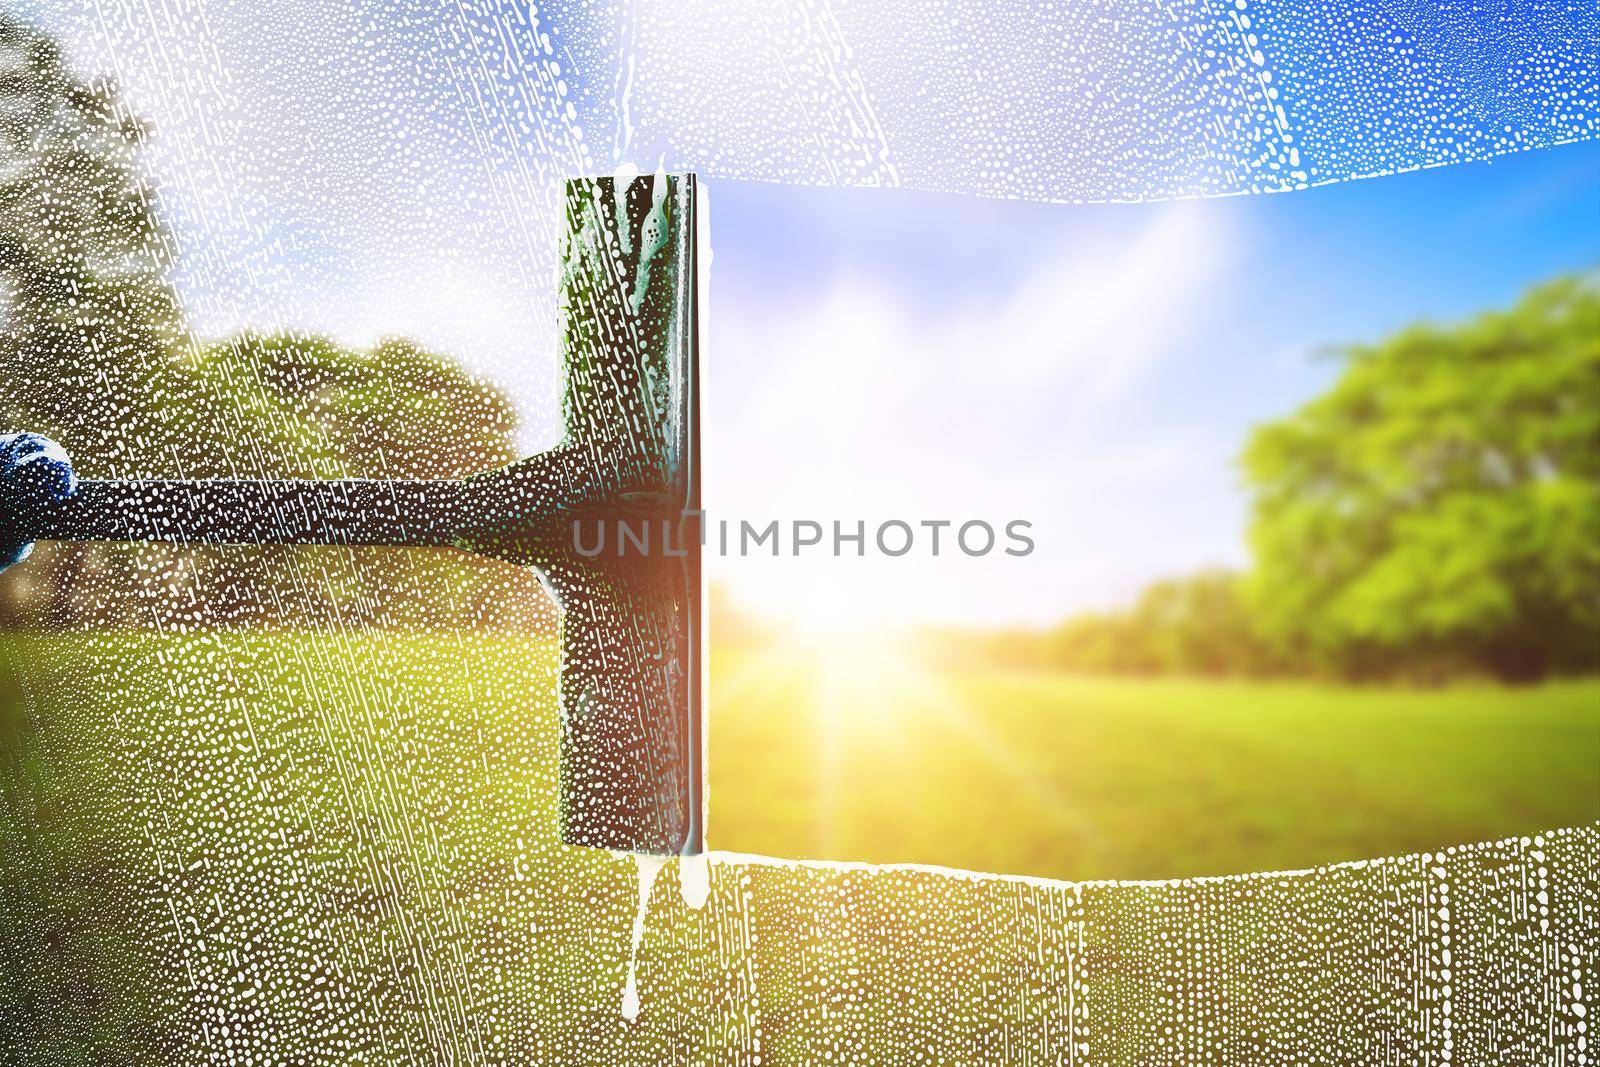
[864, 402]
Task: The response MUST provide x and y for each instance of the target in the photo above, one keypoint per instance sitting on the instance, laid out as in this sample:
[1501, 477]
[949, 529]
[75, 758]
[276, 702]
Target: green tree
[91, 327]
[94, 352]
[1199, 624]
[307, 407]
[1439, 506]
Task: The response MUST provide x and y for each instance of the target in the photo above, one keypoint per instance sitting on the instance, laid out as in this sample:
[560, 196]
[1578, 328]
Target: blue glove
[34, 471]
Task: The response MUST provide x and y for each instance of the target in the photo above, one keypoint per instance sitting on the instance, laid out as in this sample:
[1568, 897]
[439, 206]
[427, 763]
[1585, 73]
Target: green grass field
[863, 754]
[294, 829]
[1091, 778]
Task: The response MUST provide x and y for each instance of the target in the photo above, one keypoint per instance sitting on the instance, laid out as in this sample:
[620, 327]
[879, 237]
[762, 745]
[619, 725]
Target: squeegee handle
[299, 512]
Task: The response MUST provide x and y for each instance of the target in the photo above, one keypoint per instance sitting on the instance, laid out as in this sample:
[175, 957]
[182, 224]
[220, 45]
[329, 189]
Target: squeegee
[632, 733]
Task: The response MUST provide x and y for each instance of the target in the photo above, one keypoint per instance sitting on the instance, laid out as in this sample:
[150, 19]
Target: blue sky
[1119, 448]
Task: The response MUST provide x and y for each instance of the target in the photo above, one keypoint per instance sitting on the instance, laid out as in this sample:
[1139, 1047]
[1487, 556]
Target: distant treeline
[1198, 625]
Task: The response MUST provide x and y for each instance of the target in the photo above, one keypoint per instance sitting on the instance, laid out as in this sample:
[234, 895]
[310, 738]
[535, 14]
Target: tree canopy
[94, 352]
[1440, 503]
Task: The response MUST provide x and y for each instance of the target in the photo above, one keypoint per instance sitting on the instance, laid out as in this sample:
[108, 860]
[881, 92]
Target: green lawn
[821, 753]
[304, 835]
[1091, 778]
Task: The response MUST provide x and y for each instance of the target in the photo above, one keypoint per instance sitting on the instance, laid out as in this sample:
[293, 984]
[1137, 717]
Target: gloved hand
[34, 471]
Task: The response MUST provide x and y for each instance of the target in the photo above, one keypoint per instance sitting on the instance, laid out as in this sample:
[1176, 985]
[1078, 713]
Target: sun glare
[860, 692]
[850, 673]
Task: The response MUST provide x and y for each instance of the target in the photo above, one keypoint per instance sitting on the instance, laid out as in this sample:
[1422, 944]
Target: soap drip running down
[694, 879]
[694, 883]
[649, 867]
